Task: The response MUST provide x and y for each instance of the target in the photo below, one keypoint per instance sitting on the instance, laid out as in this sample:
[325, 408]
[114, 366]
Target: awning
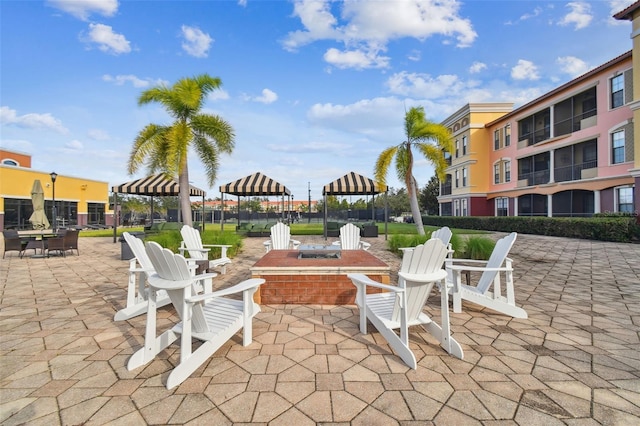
[155, 185]
[255, 184]
[353, 184]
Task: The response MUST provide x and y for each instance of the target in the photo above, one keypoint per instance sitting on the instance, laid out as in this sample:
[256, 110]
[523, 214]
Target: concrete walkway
[574, 361]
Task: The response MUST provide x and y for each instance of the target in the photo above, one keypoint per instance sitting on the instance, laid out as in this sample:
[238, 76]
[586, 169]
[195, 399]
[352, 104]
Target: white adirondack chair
[140, 267]
[402, 306]
[491, 270]
[444, 234]
[350, 238]
[211, 318]
[281, 239]
[192, 243]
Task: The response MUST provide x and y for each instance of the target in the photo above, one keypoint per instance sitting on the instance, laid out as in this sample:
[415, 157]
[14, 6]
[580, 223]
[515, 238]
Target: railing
[573, 172]
[535, 178]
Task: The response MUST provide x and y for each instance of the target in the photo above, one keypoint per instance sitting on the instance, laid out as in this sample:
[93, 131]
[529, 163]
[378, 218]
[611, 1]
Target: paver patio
[575, 360]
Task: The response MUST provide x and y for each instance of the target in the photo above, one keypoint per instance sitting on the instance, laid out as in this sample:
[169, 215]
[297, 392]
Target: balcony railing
[573, 172]
[535, 178]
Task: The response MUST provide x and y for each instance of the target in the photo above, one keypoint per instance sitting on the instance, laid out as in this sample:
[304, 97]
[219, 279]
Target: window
[496, 140]
[624, 199]
[507, 135]
[464, 177]
[456, 207]
[10, 162]
[457, 148]
[496, 173]
[457, 178]
[502, 206]
[535, 128]
[575, 113]
[617, 147]
[617, 91]
[464, 207]
[464, 145]
[507, 171]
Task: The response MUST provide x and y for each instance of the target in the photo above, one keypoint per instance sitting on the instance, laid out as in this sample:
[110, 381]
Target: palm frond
[216, 129]
[382, 164]
[404, 161]
[209, 157]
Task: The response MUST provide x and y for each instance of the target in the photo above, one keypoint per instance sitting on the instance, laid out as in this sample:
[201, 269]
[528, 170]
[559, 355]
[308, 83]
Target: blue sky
[313, 89]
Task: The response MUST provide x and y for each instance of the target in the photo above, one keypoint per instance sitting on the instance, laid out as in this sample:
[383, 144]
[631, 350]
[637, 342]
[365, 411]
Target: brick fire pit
[323, 281]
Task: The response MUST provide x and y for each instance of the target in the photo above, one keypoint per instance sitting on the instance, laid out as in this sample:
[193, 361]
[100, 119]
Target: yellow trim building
[79, 202]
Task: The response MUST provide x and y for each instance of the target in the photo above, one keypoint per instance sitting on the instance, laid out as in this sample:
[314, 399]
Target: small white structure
[192, 243]
[402, 306]
[210, 317]
[491, 271]
[140, 267]
[350, 238]
[281, 239]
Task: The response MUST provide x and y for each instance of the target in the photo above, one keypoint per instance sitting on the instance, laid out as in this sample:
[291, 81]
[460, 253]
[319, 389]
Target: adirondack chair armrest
[336, 243]
[222, 247]
[365, 245]
[424, 278]
[363, 279]
[238, 288]
[478, 268]
[295, 244]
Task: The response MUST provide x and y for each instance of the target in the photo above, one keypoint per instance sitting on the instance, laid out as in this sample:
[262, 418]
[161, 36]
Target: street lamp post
[54, 176]
[309, 212]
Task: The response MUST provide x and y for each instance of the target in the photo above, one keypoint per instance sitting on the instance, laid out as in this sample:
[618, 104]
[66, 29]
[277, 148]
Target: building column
[550, 205]
[552, 176]
[515, 206]
[596, 201]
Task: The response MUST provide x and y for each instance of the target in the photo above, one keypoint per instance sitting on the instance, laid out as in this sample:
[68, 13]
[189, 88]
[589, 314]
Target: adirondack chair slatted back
[424, 259]
[444, 234]
[173, 267]
[280, 236]
[497, 258]
[349, 237]
[193, 241]
[137, 248]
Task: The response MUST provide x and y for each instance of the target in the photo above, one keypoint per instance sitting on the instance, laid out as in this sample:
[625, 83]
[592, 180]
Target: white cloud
[415, 55]
[580, 15]
[82, 9]
[218, 95]
[525, 70]
[31, 121]
[74, 145]
[120, 80]
[106, 39]
[424, 86]
[305, 148]
[358, 59]
[476, 67]
[98, 134]
[268, 97]
[242, 3]
[373, 24]
[572, 65]
[197, 42]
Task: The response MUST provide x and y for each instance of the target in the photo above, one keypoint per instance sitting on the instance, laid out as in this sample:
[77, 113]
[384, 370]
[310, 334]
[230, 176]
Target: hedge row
[616, 228]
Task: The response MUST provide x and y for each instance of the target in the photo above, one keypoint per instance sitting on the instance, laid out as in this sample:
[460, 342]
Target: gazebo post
[115, 216]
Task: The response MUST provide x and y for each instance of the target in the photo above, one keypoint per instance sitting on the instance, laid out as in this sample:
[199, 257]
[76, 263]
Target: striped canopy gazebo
[353, 184]
[155, 185]
[253, 185]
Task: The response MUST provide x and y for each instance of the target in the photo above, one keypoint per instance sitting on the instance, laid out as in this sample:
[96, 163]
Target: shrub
[172, 240]
[477, 248]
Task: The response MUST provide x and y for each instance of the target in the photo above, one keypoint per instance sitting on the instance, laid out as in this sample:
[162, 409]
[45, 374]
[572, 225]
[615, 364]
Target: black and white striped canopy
[255, 184]
[353, 183]
[155, 185]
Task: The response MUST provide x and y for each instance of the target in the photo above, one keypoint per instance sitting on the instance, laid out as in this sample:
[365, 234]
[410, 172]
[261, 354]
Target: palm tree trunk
[185, 201]
[412, 193]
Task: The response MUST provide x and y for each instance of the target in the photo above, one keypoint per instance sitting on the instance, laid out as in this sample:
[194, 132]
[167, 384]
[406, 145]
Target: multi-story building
[569, 152]
[78, 201]
[465, 189]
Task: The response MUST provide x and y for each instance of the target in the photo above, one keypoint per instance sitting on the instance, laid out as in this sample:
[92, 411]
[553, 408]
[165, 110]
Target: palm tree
[431, 140]
[164, 148]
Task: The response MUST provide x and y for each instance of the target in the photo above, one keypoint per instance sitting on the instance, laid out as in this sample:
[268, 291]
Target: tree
[429, 196]
[164, 148]
[431, 140]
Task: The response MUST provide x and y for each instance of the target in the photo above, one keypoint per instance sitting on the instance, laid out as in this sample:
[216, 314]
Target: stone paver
[574, 361]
